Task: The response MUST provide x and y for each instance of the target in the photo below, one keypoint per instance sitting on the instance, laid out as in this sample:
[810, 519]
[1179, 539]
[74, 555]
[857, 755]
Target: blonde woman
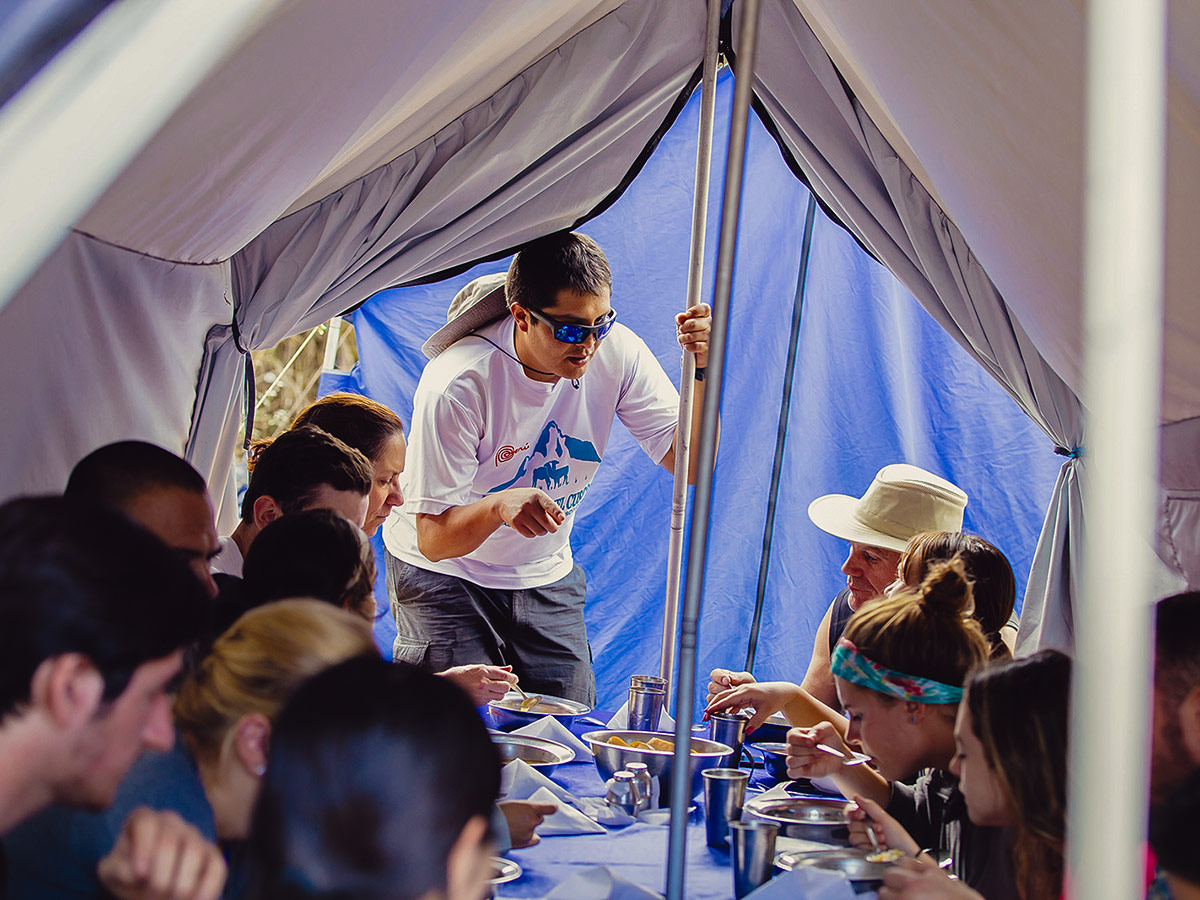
[224, 714]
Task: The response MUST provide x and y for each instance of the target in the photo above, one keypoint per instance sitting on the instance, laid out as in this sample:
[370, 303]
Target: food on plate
[618, 741]
[660, 744]
[884, 856]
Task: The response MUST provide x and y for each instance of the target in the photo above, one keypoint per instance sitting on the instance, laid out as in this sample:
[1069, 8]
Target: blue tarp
[877, 381]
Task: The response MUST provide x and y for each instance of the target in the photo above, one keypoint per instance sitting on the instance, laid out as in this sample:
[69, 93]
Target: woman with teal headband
[899, 671]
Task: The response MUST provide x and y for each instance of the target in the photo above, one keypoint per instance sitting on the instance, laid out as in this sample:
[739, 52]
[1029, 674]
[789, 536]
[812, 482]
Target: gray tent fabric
[100, 345]
[531, 159]
[853, 169]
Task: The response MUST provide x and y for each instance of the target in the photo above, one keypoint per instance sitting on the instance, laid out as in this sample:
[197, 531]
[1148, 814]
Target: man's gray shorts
[443, 621]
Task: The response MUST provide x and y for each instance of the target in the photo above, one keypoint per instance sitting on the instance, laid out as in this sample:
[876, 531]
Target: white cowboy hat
[901, 502]
[479, 303]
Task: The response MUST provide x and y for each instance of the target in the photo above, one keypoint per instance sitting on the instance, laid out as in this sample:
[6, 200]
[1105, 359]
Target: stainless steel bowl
[774, 759]
[809, 818]
[507, 713]
[611, 758]
[863, 875]
[544, 755]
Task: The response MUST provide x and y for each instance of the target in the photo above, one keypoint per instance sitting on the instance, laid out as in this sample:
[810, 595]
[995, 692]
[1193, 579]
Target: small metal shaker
[622, 793]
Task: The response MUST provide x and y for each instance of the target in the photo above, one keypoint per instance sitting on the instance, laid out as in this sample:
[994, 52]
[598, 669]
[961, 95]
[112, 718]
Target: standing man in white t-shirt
[511, 418]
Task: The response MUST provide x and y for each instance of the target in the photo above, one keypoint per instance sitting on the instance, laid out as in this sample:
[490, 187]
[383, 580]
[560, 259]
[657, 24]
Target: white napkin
[596, 808]
[807, 884]
[551, 729]
[778, 792]
[520, 781]
[567, 820]
[600, 883]
[620, 721]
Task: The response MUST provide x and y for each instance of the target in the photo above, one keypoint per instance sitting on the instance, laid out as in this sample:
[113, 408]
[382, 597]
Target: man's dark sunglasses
[570, 333]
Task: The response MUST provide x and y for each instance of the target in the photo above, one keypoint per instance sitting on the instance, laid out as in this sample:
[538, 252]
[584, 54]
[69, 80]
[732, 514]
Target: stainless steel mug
[724, 794]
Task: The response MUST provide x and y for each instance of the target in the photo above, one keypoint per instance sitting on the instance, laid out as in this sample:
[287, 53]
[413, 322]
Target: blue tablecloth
[637, 852]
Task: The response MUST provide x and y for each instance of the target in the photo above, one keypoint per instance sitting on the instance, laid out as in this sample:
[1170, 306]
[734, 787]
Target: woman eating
[1011, 762]
[899, 670]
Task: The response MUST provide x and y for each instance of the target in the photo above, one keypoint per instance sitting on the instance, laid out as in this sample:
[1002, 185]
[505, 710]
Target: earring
[260, 771]
[912, 720]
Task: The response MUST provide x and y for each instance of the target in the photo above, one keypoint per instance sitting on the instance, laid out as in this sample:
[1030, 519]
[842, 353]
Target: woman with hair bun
[899, 669]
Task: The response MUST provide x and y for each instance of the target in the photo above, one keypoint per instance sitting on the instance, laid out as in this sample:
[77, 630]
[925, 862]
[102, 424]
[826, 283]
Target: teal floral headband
[850, 665]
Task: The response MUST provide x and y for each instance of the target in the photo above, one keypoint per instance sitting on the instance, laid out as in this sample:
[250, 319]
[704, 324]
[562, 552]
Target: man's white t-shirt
[228, 561]
[481, 425]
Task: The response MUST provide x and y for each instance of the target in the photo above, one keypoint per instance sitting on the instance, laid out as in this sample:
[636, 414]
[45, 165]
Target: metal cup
[753, 854]
[645, 707]
[729, 728]
[651, 680]
[724, 794]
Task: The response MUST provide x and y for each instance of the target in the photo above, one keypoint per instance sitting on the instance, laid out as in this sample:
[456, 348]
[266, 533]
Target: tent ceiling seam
[142, 253]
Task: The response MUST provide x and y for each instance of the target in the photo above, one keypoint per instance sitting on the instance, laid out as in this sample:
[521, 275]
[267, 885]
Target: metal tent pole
[1123, 335]
[685, 685]
[89, 111]
[785, 406]
[683, 428]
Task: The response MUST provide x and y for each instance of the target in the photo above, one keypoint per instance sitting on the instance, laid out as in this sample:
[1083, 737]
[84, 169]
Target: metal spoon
[847, 760]
[530, 701]
[871, 835]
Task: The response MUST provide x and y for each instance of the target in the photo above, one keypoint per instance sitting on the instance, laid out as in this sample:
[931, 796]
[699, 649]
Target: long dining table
[637, 852]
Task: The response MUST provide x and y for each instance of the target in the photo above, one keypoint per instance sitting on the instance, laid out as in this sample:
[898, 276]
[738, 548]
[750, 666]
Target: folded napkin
[620, 721]
[567, 820]
[596, 808]
[520, 781]
[778, 792]
[600, 883]
[808, 884]
[551, 729]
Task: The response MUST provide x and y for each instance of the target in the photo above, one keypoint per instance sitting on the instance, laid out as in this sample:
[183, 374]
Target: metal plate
[800, 811]
[850, 862]
[540, 753]
[504, 871]
[546, 705]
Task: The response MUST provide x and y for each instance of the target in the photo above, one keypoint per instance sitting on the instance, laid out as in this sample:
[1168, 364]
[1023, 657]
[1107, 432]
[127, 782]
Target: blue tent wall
[877, 381]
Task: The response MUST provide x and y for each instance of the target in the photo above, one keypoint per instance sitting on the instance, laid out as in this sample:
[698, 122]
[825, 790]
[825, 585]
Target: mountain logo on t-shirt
[559, 464]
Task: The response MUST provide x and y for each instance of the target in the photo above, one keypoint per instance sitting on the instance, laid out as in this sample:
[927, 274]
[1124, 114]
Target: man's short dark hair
[567, 261]
[117, 474]
[298, 463]
[1177, 645]
[79, 577]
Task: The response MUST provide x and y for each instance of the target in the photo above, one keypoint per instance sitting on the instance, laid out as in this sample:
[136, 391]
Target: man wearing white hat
[510, 421]
[902, 502]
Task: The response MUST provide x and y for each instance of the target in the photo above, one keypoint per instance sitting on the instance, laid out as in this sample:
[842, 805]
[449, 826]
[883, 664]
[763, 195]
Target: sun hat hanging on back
[480, 303]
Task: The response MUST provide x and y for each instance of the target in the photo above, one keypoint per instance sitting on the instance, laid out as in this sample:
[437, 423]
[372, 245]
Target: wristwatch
[699, 373]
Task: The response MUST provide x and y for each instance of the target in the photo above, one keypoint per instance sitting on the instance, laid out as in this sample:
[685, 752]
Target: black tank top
[839, 615]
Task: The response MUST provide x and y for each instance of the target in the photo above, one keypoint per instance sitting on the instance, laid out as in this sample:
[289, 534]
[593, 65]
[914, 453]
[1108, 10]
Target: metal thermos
[622, 793]
[644, 783]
